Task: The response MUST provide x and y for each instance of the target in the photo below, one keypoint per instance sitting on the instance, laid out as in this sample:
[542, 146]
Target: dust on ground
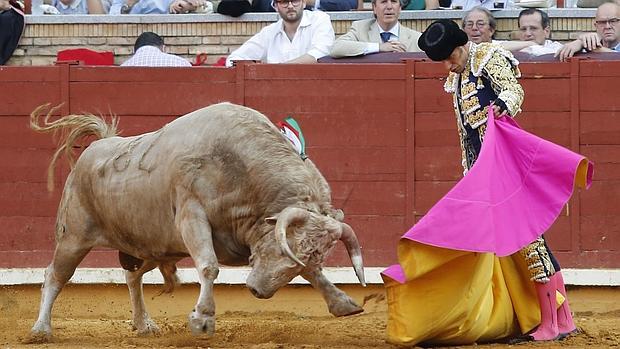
[98, 316]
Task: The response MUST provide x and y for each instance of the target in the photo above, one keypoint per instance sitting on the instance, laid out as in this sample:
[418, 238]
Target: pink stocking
[548, 328]
[565, 318]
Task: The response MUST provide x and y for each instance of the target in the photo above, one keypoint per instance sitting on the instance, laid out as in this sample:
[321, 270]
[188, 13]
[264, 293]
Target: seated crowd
[302, 35]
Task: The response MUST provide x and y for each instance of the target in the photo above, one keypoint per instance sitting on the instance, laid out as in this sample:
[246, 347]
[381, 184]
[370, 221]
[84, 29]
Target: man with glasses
[299, 36]
[479, 24]
[606, 38]
[384, 33]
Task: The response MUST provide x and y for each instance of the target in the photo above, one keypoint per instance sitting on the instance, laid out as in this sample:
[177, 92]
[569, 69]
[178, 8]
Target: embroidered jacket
[490, 73]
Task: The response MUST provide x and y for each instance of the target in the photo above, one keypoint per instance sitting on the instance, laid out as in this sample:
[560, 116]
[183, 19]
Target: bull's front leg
[338, 302]
[197, 236]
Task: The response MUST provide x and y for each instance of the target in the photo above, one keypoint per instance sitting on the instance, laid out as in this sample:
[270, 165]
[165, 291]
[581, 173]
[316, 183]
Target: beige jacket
[367, 30]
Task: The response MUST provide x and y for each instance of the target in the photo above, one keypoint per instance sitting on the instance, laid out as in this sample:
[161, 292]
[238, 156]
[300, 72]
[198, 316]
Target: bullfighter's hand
[498, 111]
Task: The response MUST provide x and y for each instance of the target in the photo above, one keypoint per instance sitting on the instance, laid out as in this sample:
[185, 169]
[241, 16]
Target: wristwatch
[125, 9]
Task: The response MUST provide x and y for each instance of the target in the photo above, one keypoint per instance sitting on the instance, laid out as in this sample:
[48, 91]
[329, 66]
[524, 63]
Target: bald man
[606, 38]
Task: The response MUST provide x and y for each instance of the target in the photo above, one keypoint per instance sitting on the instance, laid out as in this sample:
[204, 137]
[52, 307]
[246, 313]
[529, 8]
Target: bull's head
[311, 235]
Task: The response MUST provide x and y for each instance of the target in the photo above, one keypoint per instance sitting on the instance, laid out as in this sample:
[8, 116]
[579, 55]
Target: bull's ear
[271, 220]
[338, 215]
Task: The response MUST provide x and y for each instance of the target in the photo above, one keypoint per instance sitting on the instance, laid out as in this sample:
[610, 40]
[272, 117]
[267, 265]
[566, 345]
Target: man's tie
[385, 36]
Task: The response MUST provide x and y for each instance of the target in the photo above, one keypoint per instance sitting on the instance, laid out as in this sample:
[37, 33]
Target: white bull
[220, 184]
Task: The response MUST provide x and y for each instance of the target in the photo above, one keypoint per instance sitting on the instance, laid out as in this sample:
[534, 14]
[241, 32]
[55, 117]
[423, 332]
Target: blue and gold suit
[490, 75]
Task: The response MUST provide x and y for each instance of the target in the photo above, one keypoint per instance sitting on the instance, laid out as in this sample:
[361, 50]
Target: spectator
[384, 33]
[143, 7]
[80, 7]
[470, 4]
[606, 38]
[148, 52]
[191, 6]
[534, 26]
[420, 4]
[479, 24]
[11, 28]
[335, 5]
[299, 36]
[236, 8]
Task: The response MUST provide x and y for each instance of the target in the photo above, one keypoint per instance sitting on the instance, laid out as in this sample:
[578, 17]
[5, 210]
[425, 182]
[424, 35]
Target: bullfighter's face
[457, 60]
[4, 5]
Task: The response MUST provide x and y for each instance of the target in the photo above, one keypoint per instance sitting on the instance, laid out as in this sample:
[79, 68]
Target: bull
[220, 185]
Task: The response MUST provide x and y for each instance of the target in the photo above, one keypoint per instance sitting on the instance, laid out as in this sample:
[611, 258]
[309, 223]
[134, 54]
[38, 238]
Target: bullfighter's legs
[141, 319]
[338, 302]
[566, 325]
[196, 233]
[70, 250]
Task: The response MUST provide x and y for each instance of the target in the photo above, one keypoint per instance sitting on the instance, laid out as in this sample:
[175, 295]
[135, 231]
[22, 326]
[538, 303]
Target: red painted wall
[384, 136]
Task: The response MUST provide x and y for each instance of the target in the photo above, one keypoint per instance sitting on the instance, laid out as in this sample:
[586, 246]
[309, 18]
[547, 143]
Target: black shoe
[565, 335]
[528, 338]
[524, 338]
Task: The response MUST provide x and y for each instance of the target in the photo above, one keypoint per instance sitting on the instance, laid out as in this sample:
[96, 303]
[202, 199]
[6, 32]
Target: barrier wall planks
[383, 135]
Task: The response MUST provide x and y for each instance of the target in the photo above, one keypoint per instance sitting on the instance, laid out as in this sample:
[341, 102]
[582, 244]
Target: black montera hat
[441, 38]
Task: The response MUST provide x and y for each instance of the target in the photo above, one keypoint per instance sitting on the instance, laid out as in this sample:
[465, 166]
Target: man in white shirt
[148, 52]
[299, 36]
[384, 33]
[534, 26]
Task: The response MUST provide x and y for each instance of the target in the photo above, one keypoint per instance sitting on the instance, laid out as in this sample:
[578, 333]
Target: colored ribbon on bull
[292, 131]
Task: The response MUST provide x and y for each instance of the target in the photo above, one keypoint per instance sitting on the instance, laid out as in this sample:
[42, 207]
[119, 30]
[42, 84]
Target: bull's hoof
[345, 307]
[201, 325]
[148, 328]
[38, 336]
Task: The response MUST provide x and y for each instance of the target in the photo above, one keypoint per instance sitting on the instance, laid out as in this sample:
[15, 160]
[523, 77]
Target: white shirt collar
[394, 31]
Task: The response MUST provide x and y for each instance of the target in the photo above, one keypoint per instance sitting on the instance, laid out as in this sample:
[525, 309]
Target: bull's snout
[259, 294]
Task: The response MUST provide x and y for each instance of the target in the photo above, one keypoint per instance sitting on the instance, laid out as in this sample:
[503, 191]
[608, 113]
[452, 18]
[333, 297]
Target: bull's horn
[349, 239]
[289, 215]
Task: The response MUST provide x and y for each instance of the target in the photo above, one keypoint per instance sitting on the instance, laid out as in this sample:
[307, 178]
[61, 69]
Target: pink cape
[510, 197]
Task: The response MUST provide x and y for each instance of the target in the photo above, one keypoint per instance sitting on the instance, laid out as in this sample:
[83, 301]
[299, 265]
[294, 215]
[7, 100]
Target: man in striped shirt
[148, 52]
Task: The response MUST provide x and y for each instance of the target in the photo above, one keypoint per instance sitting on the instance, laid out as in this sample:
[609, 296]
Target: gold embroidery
[504, 83]
[478, 118]
[538, 260]
[471, 104]
[468, 89]
[482, 130]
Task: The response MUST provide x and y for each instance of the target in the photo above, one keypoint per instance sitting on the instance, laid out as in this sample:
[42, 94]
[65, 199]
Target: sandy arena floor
[296, 317]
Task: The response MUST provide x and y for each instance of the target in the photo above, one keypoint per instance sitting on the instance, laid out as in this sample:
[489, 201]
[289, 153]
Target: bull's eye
[251, 259]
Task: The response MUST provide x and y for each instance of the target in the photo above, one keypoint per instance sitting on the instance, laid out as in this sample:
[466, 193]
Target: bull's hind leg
[196, 231]
[338, 302]
[70, 250]
[142, 322]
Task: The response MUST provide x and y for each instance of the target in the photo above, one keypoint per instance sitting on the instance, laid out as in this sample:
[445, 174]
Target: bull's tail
[70, 128]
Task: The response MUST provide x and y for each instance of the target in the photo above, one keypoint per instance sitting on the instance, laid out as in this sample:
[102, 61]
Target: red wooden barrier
[384, 136]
